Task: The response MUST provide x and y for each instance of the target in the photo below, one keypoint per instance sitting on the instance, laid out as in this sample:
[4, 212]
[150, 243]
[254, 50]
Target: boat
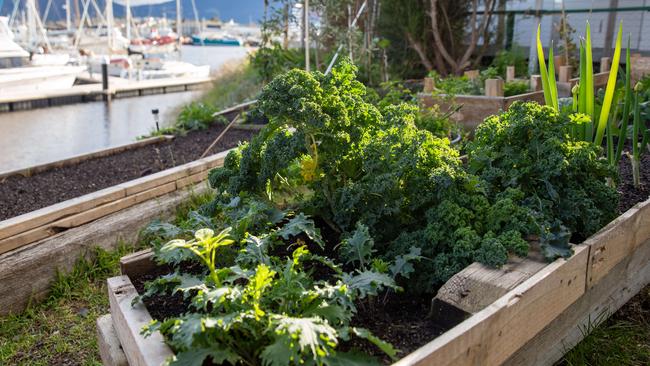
[216, 40]
[19, 75]
[136, 67]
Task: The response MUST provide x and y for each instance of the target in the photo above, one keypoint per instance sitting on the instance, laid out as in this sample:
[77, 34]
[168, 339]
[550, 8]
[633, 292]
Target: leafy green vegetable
[526, 148]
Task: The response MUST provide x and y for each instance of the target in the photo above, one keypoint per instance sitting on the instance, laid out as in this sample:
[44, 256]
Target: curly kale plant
[331, 153]
[564, 182]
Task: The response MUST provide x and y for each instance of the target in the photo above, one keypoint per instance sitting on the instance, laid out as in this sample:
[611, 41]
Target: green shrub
[511, 88]
[195, 116]
[514, 57]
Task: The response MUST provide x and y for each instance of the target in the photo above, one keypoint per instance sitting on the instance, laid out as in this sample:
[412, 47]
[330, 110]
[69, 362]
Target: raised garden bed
[22, 194]
[475, 108]
[532, 321]
[317, 278]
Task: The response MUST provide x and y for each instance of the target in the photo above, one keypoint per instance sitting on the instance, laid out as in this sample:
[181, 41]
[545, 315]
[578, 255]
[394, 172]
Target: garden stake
[234, 120]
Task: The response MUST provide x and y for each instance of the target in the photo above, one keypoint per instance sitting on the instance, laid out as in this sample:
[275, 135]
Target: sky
[241, 11]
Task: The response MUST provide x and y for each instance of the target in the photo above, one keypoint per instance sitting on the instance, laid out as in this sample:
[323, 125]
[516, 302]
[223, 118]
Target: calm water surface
[39, 136]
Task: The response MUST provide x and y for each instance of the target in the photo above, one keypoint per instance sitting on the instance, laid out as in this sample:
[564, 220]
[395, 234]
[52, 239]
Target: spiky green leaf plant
[609, 90]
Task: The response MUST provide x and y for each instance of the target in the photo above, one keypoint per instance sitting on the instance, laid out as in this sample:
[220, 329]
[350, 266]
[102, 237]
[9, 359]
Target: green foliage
[527, 148]
[273, 60]
[357, 163]
[513, 57]
[195, 116]
[456, 85]
[511, 88]
[271, 313]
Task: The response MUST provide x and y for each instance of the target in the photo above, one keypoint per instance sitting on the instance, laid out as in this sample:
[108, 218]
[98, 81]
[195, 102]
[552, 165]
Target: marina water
[43, 135]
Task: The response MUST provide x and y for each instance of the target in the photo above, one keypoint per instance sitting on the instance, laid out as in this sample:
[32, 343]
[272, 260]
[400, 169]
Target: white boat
[18, 75]
[138, 68]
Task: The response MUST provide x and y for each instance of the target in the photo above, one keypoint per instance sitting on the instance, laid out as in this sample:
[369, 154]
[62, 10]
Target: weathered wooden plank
[27, 272]
[138, 263]
[111, 207]
[128, 321]
[478, 285]
[192, 179]
[613, 290]
[38, 218]
[110, 350]
[215, 160]
[25, 238]
[617, 240]
[154, 180]
[492, 335]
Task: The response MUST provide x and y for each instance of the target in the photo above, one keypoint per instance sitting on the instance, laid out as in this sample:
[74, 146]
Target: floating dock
[93, 92]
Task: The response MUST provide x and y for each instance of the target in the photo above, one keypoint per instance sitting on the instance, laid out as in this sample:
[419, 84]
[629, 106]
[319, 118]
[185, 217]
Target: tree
[442, 34]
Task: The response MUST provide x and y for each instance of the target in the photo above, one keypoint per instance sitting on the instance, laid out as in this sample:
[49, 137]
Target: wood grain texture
[27, 272]
[601, 300]
[138, 263]
[493, 334]
[110, 350]
[478, 285]
[128, 321]
[34, 219]
[617, 241]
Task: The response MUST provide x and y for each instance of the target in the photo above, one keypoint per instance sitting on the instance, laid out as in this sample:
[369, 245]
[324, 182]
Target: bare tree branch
[417, 46]
[440, 47]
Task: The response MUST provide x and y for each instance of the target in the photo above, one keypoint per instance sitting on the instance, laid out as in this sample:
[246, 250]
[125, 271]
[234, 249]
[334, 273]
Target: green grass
[61, 329]
[624, 339]
[234, 85]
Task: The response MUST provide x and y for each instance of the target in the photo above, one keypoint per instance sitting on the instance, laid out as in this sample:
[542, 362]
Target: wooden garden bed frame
[37, 245]
[475, 108]
[534, 319]
[33, 226]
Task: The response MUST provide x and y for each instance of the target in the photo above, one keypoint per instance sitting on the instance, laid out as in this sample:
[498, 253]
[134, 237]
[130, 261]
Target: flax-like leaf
[589, 76]
[552, 86]
[622, 134]
[582, 91]
[542, 68]
[609, 91]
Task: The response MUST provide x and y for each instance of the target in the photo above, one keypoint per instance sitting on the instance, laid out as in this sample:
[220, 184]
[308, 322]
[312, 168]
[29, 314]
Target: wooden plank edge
[128, 321]
[239, 107]
[617, 241]
[599, 302]
[28, 228]
[45, 215]
[137, 264]
[53, 228]
[110, 349]
[496, 332]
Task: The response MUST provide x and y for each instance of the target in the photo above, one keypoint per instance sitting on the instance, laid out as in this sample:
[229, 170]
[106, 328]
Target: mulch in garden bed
[19, 195]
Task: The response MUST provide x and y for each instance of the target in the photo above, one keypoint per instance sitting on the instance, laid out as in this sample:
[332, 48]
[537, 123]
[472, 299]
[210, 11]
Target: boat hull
[215, 41]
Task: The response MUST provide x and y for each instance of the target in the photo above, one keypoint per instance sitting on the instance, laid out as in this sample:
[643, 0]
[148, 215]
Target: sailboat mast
[179, 25]
[68, 19]
[128, 19]
[109, 24]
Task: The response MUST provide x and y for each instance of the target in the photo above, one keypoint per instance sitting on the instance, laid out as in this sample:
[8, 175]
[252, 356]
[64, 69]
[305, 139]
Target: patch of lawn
[61, 329]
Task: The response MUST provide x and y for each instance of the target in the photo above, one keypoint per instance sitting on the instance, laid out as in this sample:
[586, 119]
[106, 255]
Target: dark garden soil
[19, 195]
[630, 196]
